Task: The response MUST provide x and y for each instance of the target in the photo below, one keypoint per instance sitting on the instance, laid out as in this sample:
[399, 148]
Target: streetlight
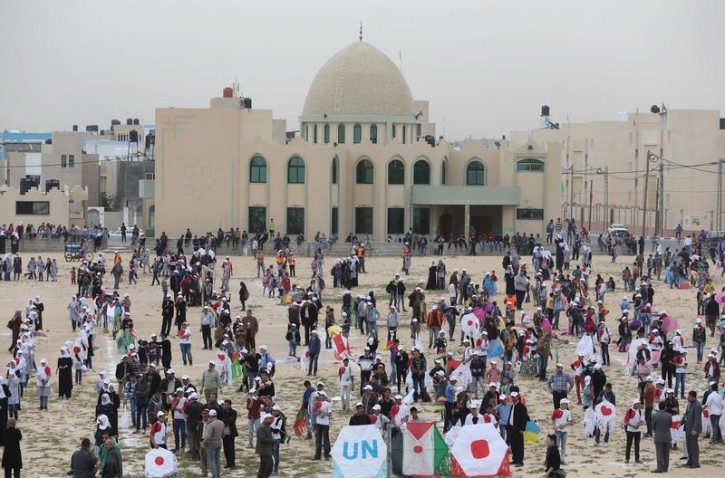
[605, 172]
[651, 157]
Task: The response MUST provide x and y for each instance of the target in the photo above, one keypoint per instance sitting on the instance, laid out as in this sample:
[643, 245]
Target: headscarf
[105, 400]
[64, 352]
[102, 420]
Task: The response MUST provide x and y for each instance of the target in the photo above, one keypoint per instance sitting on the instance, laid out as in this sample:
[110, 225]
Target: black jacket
[229, 418]
[521, 416]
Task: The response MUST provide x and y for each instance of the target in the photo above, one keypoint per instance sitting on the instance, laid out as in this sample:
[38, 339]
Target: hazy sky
[485, 66]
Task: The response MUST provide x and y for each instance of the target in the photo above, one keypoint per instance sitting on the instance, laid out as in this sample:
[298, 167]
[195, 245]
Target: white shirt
[563, 420]
[634, 421]
[178, 413]
[346, 376]
[402, 415]
[323, 414]
[452, 290]
[714, 403]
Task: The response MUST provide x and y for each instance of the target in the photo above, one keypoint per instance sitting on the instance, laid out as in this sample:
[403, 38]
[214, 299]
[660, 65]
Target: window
[444, 172]
[63, 161]
[314, 134]
[341, 134]
[295, 220]
[258, 170]
[257, 219]
[421, 220]
[150, 176]
[475, 174]
[334, 170]
[530, 165]
[32, 208]
[296, 171]
[396, 172]
[365, 172]
[394, 131]
[374, 133]
[405, 131]
[529, 214]
[333, 221]
[421, 172]
[357, 134]
[326, 134]
[396, 217]
[71, 160]
[364, 220]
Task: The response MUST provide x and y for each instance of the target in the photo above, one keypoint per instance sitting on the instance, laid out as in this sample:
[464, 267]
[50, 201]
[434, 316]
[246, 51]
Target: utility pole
[718, 222]
[591, 199]
[661, 205]
[605, 172]
[571, 192]
[646, 185]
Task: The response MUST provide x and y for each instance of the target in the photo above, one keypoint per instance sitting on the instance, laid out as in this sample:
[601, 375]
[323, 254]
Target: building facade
[366, 162]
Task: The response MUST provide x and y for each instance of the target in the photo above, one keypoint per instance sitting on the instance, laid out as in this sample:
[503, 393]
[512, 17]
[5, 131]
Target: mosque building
[366, 161]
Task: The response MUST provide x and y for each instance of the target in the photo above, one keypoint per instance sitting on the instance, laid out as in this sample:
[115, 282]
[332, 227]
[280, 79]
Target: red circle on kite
[159, 460]
[479, 449]
[706, 413]
[470, 323]
[418, 449]
[606, 411]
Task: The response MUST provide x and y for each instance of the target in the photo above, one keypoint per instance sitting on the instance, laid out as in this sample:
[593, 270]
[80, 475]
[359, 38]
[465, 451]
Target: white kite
[160, 463]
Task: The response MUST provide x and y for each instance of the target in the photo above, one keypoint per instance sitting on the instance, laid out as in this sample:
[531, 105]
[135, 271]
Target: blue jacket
[315, 345]
[504, 412]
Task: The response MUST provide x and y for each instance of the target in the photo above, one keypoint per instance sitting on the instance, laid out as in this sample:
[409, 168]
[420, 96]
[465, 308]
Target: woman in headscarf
[103, 425]
[108, 410]
[432, 276]
[12, 456]
[4, 397]
[13, 380]
[65, 373]
[43, 383]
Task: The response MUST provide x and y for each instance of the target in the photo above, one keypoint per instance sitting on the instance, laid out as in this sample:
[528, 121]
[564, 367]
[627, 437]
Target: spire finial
[360, 37]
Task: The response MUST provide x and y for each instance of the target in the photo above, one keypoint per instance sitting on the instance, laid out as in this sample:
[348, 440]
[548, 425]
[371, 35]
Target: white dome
[359, 80]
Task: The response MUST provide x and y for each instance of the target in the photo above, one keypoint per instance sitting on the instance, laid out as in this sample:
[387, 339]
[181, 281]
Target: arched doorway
[445, 224]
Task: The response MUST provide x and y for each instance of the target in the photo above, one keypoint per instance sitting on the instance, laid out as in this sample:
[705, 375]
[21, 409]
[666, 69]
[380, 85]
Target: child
[73, 276]
[78, 367]
[560, 419]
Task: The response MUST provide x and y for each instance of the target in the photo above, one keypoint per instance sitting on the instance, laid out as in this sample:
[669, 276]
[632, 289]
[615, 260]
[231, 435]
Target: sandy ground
[51, 437]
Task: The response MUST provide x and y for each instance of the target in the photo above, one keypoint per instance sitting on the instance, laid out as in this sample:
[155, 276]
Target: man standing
[714, 405]
[560, 383]
[213, 435]
[314, 348]
[699, 336]
[83, 463]
[210, 381]
[661, 425]
[517, 425]
[323, 413]
[347, 381]
[632, 422]
[207, 321]
[265, 443]
[228, 417]
[692, 422]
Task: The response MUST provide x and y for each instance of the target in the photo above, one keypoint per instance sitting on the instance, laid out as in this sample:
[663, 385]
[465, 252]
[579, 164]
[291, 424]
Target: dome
[359, 80]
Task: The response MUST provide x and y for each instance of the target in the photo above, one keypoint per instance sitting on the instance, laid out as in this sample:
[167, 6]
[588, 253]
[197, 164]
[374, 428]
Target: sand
[51, 437]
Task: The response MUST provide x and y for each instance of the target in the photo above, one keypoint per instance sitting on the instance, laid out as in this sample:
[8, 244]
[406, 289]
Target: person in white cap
[560, 384]
[515, 429]
[714, 405]
[560, 420]
[213, 435]
[265, 445]
[207, 322]
[323, 414]
[158, 431]
[633, 420]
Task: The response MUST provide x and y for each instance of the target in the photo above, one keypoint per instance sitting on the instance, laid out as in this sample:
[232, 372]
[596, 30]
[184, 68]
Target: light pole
[605, 172]
[651, 157]
[718, 222]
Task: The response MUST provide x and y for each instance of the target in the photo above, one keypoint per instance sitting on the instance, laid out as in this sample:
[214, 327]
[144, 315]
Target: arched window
[341, 134]
[296, 171]
[314, 134]
[475, 174]
[258, 170]
[530, 165]
[374, 133]
[365, 172]
[444, 172]
[357, 134]
[326, 134]
[421, 172]
[396, 172]
[334, 170]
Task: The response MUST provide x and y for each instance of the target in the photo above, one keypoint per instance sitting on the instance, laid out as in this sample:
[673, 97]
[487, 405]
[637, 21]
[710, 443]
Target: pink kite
[669, 323]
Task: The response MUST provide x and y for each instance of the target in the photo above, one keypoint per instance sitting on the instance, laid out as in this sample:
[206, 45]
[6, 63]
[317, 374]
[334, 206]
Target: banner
[359, 452]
